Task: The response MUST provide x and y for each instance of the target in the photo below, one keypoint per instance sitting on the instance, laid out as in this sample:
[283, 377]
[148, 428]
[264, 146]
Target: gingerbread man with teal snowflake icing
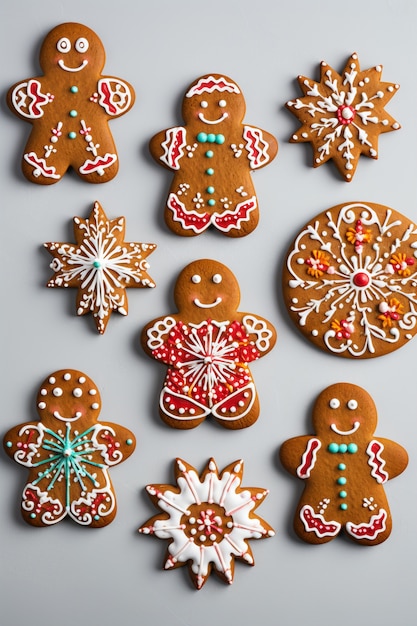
[344, 468]
[68, 454]
[69, 108]
[212, 157]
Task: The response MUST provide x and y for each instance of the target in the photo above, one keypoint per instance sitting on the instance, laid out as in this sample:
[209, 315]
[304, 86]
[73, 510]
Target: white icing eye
[217, 278]
[63, 45]
[352, 405]
[196, 279]
[334, 403]
[57, 391]
[95, 405]
[222, 103]
[81, 45]
[204, 104]
[77, 392]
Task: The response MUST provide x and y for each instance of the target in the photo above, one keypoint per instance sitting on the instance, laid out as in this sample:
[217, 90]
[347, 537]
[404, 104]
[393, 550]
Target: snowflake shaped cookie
[101, 265]
[350, 280]
[208, 520]
[343, 115]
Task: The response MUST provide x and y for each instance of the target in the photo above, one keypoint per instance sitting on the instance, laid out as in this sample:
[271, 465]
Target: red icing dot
[361, 279]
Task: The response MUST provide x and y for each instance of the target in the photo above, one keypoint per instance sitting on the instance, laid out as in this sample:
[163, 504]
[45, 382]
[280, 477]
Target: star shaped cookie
[101, 265]
[343, 115]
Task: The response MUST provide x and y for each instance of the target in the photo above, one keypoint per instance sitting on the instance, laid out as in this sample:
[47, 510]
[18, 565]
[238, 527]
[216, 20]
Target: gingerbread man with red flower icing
[212, 157]
[344, 468]
[69, 108]
[207, 347]
[68, 454]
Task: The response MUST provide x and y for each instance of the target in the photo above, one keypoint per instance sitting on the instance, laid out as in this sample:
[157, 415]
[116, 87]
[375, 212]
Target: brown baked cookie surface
[69, 107]
[100, 265]
[350, 280]
[343, 115]
[207, 347]
[212, 157]
[208, 518]
[344, 467]
[68, 454]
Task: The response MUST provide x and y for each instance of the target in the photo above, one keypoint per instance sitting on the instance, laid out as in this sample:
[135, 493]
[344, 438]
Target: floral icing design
[343, 114]
[101, 265]
[354, 295]
[208, 519]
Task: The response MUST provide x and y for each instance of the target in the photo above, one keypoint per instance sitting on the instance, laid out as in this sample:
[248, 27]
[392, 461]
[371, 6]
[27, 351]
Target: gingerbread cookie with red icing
[68, 454]
[207, 347]
[343, 115]
[344, 467]
[350, 277]
[212, 157]
[209, 520]
[69, 107]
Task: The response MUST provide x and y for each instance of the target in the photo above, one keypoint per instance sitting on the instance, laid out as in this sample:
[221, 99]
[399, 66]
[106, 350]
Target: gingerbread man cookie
[212, 157]
[344, 468]
[343, 115]
[209, 519]
[101, 265]
[207, 347]
[69, 107]
[68, 454]
[349, 280]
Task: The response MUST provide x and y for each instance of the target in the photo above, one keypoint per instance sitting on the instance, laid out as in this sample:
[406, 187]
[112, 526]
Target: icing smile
[203, 305]
[220, 119]
[72, 69]
[345, 432]
[67, 419]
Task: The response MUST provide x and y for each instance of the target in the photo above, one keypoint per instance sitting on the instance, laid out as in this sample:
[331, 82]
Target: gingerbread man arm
[114, 95]
[115, 442]
[167, 147]
[298, 455]
[155, 334]
[387, 458]
[21, 442]
[260, 331]
[27, 99]
[261, 146]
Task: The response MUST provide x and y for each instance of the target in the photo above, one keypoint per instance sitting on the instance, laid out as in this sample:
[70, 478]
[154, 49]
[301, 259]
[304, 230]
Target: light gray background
[67, 574]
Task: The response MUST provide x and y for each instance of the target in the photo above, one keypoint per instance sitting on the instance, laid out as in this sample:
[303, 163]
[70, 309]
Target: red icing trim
[317, 523]
[38, 99]
[232, 219]
[99, 163]
[40, 166]
[105, 91]
[189, 220]
[371, 530]
[377, 463]
[309, 457]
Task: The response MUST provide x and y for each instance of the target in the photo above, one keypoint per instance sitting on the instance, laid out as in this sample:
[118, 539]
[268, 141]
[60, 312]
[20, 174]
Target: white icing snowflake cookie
[343, 115]
[350, 280]
[208, 518]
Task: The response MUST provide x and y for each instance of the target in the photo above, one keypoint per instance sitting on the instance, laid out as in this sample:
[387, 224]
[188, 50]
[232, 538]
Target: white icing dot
[295, 137]
[57, 391]
[391, 88]
[379, 68]
[95, 405]
[92, 392]
[366, 79]
[67, 376]
[222, 103]
[77, 392]
[305, 135]
[202, 538]
[294, 300]
[396, 126]
[334, 403]
[361, 83]
[300, 261]
[52, 380]
[43, 392]
[213, 537]
[352, 405]
[192, 520]
[217, 278]
[196, 279]
[42, 405]
[204, 104]
[315, 333]
[81, 379]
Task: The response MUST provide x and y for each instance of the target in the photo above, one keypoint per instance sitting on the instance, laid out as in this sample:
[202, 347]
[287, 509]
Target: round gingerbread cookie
[350, 278]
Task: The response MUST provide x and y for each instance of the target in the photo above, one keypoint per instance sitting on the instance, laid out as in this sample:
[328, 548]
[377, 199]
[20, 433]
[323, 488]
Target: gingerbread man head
[213, 101]
[207, 289]
[72, 48]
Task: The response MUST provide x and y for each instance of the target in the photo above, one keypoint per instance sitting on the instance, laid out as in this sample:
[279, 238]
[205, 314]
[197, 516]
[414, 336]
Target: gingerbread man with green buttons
[69, 108]
[212, 157]
[344, 468]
